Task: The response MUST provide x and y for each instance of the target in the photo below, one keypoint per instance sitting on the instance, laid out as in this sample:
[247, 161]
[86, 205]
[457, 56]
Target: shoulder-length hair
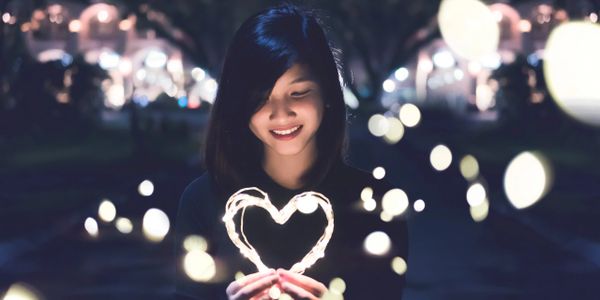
[263, 48]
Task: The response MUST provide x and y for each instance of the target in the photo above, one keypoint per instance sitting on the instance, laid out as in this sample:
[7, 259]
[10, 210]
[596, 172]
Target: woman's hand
[253, 286]
[299, 286]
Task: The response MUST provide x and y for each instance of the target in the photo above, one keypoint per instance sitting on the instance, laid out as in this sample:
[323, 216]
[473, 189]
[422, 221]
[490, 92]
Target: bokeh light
[385, 216]
[369, 205]
[124, 225]
[199, 266]
[337, 285]
[379, 173]
[377, 243]
[107, 211]
[146, 188]
[394, 202]
[401, 74]
[527, 179]
[440, 157]
[419, 205]
[571, 63]
[378, 125]
[395, 131]
[307, 204]
[22, 291]
[469, 28]
[469, 167]
[91, 226]
[399, 265]
[389, 85]
[476, 194]
[366, 193]
[195, 242]
[480, 212]
[410, 115]
[155, 225]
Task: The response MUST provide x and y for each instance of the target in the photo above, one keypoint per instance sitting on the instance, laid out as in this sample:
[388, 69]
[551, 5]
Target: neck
[287, 170]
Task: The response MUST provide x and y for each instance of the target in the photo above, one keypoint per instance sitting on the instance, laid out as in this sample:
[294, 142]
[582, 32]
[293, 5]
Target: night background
[485, 113]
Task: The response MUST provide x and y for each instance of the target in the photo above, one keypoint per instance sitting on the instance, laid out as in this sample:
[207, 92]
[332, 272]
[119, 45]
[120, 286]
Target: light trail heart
[241, 200]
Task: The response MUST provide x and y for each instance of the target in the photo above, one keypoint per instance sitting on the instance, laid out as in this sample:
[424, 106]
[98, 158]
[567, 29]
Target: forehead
[295, 74]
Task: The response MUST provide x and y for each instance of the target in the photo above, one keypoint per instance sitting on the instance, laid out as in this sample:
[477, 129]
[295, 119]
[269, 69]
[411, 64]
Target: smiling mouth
[286, 134]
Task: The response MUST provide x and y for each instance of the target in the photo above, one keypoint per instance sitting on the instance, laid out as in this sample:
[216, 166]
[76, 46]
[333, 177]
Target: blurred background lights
[395, 131]
[22, 291]
[419, 205]
[337, 285]
[91, 226]
[480, 212]
[366, 193]
[369, 205]
[476, 194]
[440, 157]
[155, 224]
[394, 202]
[198, 74]
[378, 125]
[399, 265]
[195, 242]
[146, 188]
[107, 211]
[571, 63]
[385, 216]
[469, 168]
[443, 59]
[527, 179]
[389, 85]
[307, 204]
[468, 27]
[124, 225]
[108, 60]
[377, 243]
[401, 74]
[410, 115]
[379, 173]
[199, 266]
[155, 59]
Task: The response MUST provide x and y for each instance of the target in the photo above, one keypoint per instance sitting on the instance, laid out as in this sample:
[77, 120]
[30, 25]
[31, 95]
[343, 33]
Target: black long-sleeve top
[366, 276]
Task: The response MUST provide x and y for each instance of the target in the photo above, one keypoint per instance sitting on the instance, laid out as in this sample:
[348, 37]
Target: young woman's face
[288, 121]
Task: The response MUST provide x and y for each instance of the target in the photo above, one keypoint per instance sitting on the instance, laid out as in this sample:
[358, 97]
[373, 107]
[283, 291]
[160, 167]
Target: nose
[281, 108]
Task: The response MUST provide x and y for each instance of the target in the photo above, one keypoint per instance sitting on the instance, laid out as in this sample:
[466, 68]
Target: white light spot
[199, 266]
[469, 168]
[480, 212]
[307, 204]
[377, 243]
[107, 211]
[274, 292]
[155, 59]
[526, 180]
[394, 202]
[410, 115]
[366, 193]
[337, 285]
[440, 157]
[124, 225]
[395, 131]
[379, 173]
[399, 265]
[146, 188]
[195, 242]
[401, 74]
[419, 205]
[156, 225]
[369, 205]
[198, 74]
[443, 59]
[386, 217]
[389, 85]
[22, 291]
[378, 125]
[91, 226]
[476, 194]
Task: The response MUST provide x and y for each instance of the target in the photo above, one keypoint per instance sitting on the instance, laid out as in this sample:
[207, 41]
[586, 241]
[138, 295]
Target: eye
[300, 94]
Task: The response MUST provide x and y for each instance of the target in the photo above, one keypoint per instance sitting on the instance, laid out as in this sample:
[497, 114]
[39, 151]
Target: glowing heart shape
[240, 200]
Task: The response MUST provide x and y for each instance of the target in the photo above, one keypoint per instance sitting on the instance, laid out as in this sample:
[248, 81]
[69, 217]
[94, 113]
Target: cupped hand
[300, 286]
[254, 286]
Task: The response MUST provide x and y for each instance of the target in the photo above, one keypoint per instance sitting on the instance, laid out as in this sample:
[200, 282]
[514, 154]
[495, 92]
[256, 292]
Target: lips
[286, 134]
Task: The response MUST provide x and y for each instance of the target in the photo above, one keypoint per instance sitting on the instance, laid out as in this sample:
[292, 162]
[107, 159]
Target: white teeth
[285, 132]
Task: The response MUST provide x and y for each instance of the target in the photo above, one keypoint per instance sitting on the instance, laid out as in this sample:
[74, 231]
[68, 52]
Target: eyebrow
[301, 79]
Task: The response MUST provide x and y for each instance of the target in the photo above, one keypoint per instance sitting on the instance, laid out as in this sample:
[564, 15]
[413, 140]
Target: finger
[297, 292]
[256, 287]
[305, 282]
[236, 285]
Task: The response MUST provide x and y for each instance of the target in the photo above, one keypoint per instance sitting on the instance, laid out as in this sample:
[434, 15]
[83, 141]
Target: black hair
[265, 46]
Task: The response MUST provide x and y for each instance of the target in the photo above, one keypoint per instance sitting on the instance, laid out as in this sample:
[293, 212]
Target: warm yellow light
[379, 173]
[125, 25]
[75, 26]
[524, 25]
[395, 131]
[378, 125]
[395, 202]
[469, 168]
[366, 193]
[469, 28]
[369, 205]
[440, 157]
[195, 242]
[476, 194]
[410, 115]
[480, 212]
[146, 188]
[337, 285]
[199, 266]
[155, 225]
[91, 226]
[527, 179]
[124, 225]
[571, 63]
[399, 265]
[107, 211]
[21, 291]
[377, 243]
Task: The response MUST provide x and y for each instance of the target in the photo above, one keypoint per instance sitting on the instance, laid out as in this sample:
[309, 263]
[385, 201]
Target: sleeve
[194, 216]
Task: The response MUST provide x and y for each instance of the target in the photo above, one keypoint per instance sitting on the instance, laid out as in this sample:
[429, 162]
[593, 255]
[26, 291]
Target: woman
[278, 123]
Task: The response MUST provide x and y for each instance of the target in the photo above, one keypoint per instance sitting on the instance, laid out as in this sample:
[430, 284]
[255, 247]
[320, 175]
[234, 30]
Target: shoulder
[199, 185]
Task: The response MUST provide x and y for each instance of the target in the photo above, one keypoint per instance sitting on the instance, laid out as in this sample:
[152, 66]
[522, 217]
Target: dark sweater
[366, 276]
